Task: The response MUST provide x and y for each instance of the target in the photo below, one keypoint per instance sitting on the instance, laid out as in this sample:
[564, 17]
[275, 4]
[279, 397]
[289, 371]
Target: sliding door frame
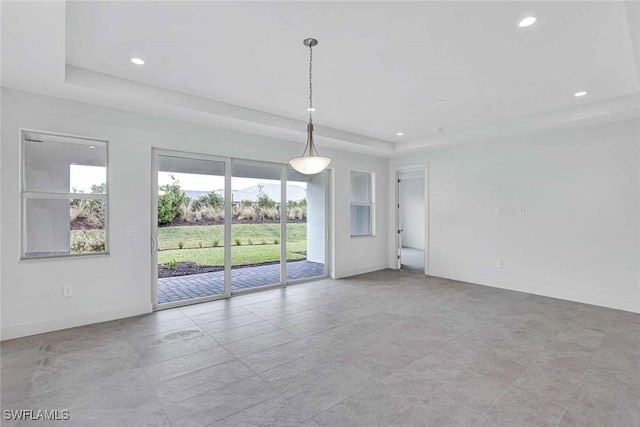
[228, 209]
[156, 154]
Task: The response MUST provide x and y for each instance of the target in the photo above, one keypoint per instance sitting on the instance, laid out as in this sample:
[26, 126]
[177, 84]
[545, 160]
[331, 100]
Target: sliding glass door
[222, 226]
[256, 230]
[189, 223]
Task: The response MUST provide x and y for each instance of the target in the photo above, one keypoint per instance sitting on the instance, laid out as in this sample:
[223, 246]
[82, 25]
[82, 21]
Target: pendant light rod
[310, 162]
[310, 43]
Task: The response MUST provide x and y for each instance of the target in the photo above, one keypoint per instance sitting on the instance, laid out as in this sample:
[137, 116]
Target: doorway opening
[411, 215]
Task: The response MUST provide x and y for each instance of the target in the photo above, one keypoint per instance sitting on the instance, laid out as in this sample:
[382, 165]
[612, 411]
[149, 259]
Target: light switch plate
[132, 231]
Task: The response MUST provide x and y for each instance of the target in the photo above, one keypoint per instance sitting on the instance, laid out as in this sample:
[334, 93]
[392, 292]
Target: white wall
[412, 211]
[316, 208]
[108, 287]
[579, 237]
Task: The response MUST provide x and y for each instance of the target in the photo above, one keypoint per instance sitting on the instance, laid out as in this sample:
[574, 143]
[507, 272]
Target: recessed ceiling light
[436, 130]
[311, 108]
[92, 147]
[137, 61]
[400, 133]
[528, 21]
[581, 93]
[441, 101]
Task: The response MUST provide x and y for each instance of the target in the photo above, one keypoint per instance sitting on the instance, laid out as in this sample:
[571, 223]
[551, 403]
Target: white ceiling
[379, 67]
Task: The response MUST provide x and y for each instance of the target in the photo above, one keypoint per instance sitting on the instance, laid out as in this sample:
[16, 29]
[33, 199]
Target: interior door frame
[397, 241]
[155, 155]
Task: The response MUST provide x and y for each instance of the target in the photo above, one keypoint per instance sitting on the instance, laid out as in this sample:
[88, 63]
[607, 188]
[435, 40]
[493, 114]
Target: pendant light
[310, 162]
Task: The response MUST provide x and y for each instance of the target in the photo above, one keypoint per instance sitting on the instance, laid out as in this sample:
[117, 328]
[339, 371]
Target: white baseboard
[25, 329]
[360, 270]
[599, 300]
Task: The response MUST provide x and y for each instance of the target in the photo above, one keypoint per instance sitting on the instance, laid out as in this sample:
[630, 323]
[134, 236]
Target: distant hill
[294, 193]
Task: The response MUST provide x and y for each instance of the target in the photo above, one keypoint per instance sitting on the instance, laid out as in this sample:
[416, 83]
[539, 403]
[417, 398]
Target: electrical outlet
[67, 291]
[498, 210]
[498, 263]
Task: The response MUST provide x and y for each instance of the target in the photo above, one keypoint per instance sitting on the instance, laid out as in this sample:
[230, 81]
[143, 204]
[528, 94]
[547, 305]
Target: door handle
[154, 245]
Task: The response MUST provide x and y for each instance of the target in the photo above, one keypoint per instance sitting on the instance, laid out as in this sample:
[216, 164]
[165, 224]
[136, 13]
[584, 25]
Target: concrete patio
[172, 289]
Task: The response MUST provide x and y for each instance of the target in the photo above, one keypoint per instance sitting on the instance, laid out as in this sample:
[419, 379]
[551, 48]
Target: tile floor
[386, 348]
[172, 289]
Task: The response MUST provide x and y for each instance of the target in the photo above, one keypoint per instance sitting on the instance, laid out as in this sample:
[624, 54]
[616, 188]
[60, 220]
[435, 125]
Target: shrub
[297, 204]
[87, 241]
[264, 201]
[263, 242]
[90, 209]
[78, 210]
[238, 242]
[247, 213]
[180, 245]
[213, 199]
[197, 204]
[209, 213]
[276, 241]
[250, 242]
[185, 214]
[302, 214]
[171, 264]
[270, 213]
[297, 213]
[170, 201]
[200, 244]
[244, 203]
[216, 243]
[97, 206]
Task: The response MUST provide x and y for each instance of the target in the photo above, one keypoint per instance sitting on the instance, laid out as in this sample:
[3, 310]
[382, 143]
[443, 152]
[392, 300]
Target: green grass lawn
[206, 235]
[192, 236]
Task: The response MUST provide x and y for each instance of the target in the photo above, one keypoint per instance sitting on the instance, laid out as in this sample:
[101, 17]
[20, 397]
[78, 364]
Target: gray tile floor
[180, 288]
[387, 348]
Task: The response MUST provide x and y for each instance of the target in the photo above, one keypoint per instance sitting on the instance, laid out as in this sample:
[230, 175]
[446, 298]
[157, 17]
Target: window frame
[370, 204]
[25, 195]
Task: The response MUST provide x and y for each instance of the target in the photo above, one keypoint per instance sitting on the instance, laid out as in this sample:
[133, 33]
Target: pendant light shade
[310, 165]
[310, 162]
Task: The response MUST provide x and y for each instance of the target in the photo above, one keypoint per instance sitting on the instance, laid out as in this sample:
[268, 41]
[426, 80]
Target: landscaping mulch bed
[189, 268]
[84, 224]
[185, 269]
[181, 223]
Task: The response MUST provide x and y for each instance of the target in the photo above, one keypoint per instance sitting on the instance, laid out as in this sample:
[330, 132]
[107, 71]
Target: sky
[82, 177]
